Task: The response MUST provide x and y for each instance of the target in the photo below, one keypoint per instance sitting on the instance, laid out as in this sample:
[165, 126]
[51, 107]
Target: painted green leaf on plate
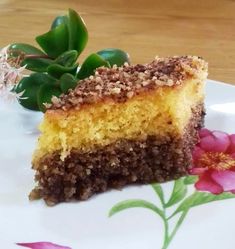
[158, 190]
[190, 180]
[135, 203]
[178, 193]
[200, 198]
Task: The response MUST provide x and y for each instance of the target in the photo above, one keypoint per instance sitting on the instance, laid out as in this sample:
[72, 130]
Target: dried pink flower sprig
[10, 74]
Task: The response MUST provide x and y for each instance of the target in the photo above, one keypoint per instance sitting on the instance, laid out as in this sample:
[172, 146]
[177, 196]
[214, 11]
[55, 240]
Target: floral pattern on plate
[213, 170]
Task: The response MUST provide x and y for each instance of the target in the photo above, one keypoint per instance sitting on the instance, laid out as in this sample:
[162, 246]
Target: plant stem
[166, 226]
[178, 224]
[166, 233]
[169, 238]
[34, 56]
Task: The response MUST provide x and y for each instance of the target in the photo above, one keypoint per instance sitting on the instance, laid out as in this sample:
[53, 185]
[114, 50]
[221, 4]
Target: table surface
[143, 28]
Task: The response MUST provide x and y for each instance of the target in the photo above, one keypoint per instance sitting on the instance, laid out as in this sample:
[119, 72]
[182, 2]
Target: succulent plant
[54, 68]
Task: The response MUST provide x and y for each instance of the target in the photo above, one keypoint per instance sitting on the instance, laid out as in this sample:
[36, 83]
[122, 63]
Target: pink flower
[42, 245]
[214, 162]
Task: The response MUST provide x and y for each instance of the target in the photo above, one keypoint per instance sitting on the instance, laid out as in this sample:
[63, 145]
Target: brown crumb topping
[123, 83]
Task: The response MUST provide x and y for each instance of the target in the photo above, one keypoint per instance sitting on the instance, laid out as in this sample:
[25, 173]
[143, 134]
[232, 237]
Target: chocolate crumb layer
[122, 83]
[81, 175]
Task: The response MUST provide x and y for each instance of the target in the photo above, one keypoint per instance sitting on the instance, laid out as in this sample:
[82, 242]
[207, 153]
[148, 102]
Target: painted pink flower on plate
[42, 245]
[214, 162]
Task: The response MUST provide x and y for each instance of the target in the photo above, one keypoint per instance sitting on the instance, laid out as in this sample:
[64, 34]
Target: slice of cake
[132, 124]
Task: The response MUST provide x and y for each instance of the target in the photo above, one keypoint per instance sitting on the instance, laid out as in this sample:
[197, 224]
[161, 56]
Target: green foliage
[25, 48]
[78, 35]
[30, 86]
[45, 93]
[56, 70]
[55, 41]
[59, 20]
[67, 81]
[114, 56]
[37, 64]
[90, 64]
[58, 62]
[67, 59]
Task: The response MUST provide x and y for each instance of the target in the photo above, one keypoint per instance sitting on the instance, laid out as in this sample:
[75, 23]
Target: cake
[134, 124]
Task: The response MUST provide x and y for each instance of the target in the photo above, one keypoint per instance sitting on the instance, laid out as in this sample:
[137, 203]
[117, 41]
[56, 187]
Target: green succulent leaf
[178, 193]
[135, 203]
[45, 94]
[158, 190]
[32, 63]
[37, 64]
[55, 41]
[78, 35]
[188, 180]
[59, 20]
[30, 86]
[56, 70]
[25, 48]
[200, 198]
[88, 67]
[114, 56]
[67, 59]
[67, 81]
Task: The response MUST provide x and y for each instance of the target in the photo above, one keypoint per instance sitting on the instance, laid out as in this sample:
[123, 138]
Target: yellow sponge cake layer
[158, 112]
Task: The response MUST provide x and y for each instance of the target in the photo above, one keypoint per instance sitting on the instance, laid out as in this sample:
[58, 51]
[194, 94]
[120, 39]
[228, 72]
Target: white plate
[85, 225]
